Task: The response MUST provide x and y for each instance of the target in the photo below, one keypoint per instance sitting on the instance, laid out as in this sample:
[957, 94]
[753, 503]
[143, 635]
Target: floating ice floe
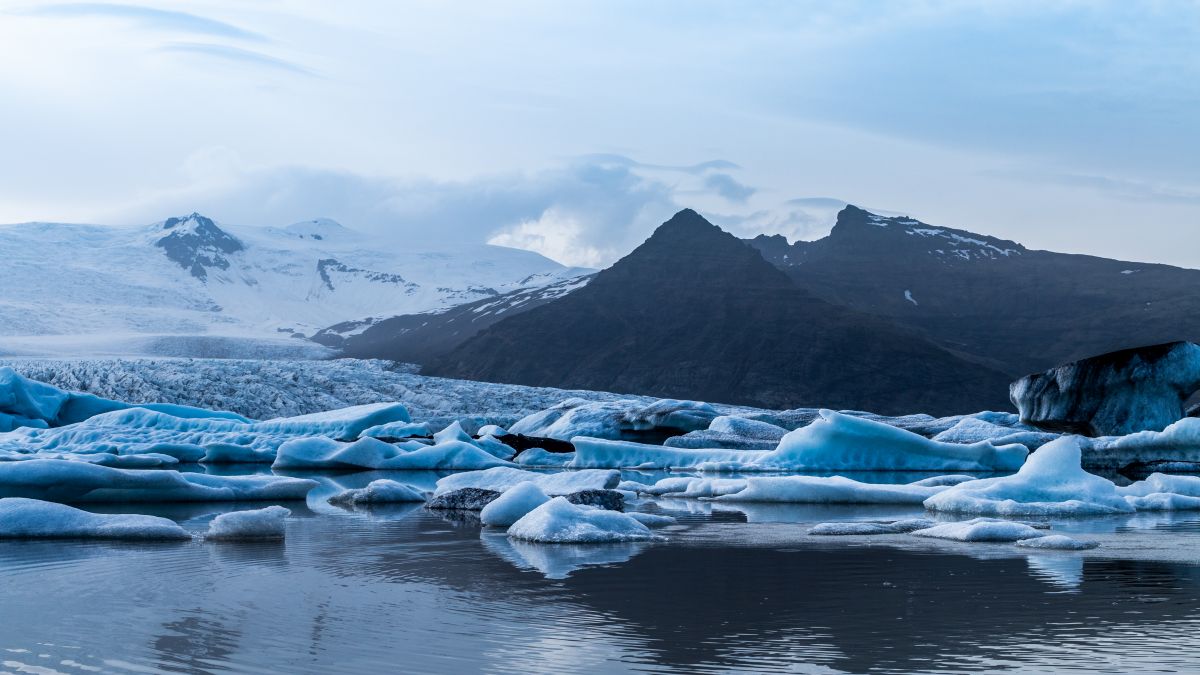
[981, 530]
[513, 504]
[832, 442]
[268, 523]
[732, 432]
[502, 478]
[1057, 542]
[382, 491]
[190, 439]
[68, 481]
[372, 453]
[32, 518]
[29, 403]
[561, 522]
[1179, 442]
[975, 430]
[870, 527]
[652, 519]
[827, 490]
[616, 419]
[398, 430]
[541, 458]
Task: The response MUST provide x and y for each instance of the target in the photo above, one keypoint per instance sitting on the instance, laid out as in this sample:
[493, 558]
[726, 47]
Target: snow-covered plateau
[190, 286]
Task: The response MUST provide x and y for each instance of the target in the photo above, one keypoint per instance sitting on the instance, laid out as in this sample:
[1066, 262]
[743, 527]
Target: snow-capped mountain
[83, 287]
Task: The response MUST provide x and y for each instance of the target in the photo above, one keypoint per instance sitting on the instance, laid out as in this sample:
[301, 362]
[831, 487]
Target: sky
[574, 128]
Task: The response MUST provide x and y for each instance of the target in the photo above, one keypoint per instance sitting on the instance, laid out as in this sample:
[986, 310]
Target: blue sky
[574, 128]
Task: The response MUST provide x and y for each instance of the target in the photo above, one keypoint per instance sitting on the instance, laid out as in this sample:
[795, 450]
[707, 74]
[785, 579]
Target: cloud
[235, 55]
[699, 168]
[584, 213]
[728, 187]
[1127, 190]
[149, 17]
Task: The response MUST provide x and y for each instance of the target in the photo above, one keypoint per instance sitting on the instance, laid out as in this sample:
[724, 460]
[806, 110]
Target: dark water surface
[402, 590]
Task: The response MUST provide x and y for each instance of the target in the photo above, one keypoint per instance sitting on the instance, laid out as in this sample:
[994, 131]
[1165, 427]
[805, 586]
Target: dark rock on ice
[520, 443]
[1112, 394]
[610, 500]
[465, 499]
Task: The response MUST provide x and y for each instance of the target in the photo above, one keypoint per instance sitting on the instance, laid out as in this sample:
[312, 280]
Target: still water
[404, 590]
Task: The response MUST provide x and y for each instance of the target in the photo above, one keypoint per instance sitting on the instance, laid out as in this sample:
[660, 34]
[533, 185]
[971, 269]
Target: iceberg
[981, 530]
[870, 527]
[542, 458]
[371, 453]
[832, 442]
[652, 519]
[1051, 483]
[31, 518]
[268, 523]
[58, 480]
[827, 490]
[513, 504]
[622, 419]
[974, 430]
[502, 478]
[382, 491]
[1057, 542]
[558, 521]
[1179, 442]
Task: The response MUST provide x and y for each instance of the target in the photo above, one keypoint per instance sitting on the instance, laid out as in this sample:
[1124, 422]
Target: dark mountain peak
[197, 244]
[686, 224]
[860, 230]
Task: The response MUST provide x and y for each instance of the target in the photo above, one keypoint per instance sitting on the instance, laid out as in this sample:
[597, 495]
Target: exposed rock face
[610, 500]
[1141, 389]
[197, 244]
[464, 499]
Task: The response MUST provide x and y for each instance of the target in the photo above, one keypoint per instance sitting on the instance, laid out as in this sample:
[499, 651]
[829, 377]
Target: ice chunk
[870, 527]
[453, 432]
[652, 519]
[839, 442]
[627, 419]
[828, 490]
[511, 506]
[59, 480]
[397, 430]
[463, 499]
[31, 518]
[687, 486]
[1051, 483]
[1057, 542]
[952, 479]
[981, 530]
[540, 457]
[494, 430]
[372, 453]
[553, 484]
[268, 523]
[382, 491]
[974, 430]
[561, 522]
[600, 453]
[1178, 442]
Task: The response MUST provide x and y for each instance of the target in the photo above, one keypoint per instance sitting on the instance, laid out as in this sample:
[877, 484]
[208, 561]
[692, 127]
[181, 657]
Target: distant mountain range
[198, 287]
[885, 313]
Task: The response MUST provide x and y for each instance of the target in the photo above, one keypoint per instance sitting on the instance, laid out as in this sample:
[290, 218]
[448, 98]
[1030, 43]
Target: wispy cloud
[149, 17]
[235, 55]
[1128, 190]
[728, 187]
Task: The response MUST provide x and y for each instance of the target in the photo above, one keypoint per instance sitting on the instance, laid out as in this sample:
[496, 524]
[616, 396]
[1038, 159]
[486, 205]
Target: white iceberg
[870, 527]
[558, 521]
[1051, 483]
[616, 419]
[268, 523]
[68, 481]
[1057, 542]
[398, 430]
[372, 453]
[502, 478]
[382, 491]
[981, 530]
[31, 518]
[542, 458]
[827, 490]
[513, 504]
[975, 430]
[1179, 442]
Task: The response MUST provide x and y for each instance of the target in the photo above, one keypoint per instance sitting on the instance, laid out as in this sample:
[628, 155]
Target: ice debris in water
[553, 484]
[981, 530]
[558, 521]
[652, 519]
[67, 481]
[1057, 542]
[371, 453]
[268, 523]
[616, 419]
[31, 518]
[513, 504]
[382, 491]
[871, 527]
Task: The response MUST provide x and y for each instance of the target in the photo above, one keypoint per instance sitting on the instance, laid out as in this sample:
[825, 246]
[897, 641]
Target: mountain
[423, 337]
[189, 283]
[695, 312]
[1018, 309]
